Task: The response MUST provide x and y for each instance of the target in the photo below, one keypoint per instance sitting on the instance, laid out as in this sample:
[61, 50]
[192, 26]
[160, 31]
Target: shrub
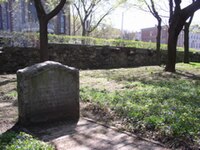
[21, 141]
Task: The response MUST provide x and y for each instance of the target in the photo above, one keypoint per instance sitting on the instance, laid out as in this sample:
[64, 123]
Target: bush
[21, 141]
[31, 39]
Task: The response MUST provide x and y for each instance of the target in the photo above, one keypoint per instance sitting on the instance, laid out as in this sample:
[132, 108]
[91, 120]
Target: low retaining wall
[84, 57]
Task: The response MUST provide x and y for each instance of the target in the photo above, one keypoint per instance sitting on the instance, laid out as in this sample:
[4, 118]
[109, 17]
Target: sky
[134, 19]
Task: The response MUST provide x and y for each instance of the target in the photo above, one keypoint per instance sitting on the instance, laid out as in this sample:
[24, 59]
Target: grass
[195, 64]
[12, 94]
[164, 104]
[21, 141]
[150, 102]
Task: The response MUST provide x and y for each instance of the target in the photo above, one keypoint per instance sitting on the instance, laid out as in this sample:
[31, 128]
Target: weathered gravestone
[48, 92]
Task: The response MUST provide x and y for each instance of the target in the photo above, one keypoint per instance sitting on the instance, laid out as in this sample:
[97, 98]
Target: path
[88, 135]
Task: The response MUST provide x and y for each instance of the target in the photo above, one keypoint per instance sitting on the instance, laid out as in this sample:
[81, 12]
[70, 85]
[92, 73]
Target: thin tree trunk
[159, 28]
[44, 54]
[186, 39]
[186, 43]
[84, 33]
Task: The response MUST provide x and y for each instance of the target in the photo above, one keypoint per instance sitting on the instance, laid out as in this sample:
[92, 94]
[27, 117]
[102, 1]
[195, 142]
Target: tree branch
[190, 10]
[39, 8]
[79, 13]
[56, 10]
[94, 27]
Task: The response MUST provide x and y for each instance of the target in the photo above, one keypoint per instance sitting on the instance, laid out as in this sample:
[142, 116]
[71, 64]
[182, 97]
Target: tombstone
[48, 92]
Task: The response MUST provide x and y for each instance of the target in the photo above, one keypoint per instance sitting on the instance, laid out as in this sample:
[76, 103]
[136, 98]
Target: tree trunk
[159, 28]
[84, 33]
[186, 43]
[177, 21]
[44, 54]
[43, 23]
[172, 42]
[84, 30]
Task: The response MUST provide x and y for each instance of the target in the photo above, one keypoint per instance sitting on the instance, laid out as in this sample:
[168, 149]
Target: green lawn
[21, 141]
[144, 100]
[165, 105]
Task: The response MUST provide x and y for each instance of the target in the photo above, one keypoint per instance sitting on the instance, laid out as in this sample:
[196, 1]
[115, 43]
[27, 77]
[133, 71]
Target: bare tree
[155, 13]
[44, 18]
[89, 10]
[76, 25]
[177, 21]
[186, 39]
[159, 13]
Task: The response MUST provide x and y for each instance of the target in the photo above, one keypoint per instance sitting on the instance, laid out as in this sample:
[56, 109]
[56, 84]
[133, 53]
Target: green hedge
[20, 39]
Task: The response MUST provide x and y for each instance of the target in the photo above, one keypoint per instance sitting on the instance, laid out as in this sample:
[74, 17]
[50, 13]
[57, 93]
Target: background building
[194, 40]
[21, 16]
[149, 35]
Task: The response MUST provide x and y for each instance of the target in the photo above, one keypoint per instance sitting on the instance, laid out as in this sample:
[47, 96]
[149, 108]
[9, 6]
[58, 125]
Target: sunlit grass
[152, 100]
[12, 94]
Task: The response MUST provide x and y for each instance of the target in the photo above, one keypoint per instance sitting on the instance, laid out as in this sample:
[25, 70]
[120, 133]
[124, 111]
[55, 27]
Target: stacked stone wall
[85, 57]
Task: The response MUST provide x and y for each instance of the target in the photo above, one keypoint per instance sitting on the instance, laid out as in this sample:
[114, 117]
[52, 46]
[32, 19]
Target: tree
[154, 8]
[177, 21]
[186, 39]
[92, 12]
[76, 25]
[44, 18]
[154, 12]
[106, 31]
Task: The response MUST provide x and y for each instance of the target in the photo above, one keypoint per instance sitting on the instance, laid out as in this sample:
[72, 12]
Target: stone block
[48, 92]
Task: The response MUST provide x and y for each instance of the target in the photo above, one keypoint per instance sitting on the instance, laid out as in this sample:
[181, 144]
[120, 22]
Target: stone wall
[84, 57]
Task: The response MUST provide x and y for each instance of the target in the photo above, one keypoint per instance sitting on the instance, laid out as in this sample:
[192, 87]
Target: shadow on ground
[87, 135]
[90, 135]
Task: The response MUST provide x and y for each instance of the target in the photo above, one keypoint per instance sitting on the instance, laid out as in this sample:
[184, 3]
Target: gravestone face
[48, 92]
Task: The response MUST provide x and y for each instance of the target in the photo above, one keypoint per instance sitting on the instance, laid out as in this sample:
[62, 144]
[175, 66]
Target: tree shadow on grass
[2, 83]
[187, 75]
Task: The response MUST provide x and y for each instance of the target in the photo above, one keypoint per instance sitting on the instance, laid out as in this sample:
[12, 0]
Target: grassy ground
[143, 100]
[148, 101]
[21, 141]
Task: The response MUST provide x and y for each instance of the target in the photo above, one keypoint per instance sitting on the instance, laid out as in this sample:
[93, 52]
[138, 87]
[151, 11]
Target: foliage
[19, 39]
[21, 141]
[167, 104]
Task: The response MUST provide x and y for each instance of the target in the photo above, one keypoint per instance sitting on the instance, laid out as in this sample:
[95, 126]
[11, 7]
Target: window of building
[1, 20]
[62, 23]
[22, 10]
[192, 44]
[32, 14]
[6, 17]
[150, 33]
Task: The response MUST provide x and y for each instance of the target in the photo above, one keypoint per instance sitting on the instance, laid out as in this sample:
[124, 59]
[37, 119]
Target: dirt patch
[8, 102]
[100, 83]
